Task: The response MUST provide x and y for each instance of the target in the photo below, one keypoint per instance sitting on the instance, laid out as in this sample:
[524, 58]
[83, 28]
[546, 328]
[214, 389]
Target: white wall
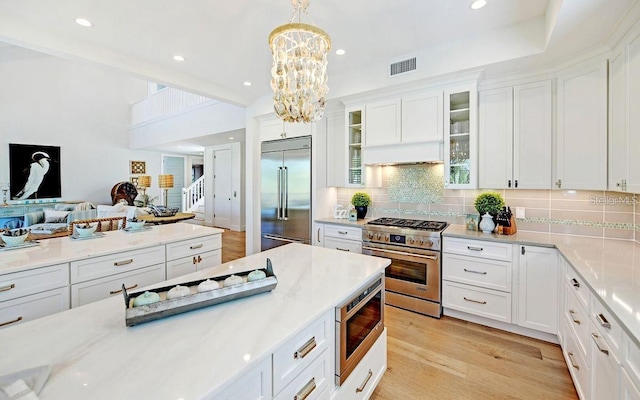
[78, 106]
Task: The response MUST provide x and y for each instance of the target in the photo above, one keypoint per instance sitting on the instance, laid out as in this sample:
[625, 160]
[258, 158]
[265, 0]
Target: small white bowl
[11, 241]
[86, 232]
[134, 226]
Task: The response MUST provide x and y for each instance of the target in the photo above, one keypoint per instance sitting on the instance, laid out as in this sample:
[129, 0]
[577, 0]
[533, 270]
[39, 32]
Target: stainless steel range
[413, 279]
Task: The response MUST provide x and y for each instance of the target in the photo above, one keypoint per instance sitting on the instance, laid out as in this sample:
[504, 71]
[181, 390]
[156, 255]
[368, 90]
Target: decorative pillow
[55, 217]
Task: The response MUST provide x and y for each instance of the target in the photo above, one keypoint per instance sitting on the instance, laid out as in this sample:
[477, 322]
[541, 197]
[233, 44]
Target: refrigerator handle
[285, 205]
[279, 194]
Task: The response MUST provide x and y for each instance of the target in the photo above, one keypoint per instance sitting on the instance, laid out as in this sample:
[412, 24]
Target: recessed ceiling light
[340, 52]
[178, 58]
[231, 138]
[478, 4]
[83, 22]
[246, 83]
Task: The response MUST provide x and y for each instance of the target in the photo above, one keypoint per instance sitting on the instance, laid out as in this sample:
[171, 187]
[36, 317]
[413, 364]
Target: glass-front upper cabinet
[355, 126]
[461, 138]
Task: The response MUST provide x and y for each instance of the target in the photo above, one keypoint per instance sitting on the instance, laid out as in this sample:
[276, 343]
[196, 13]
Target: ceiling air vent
[402, 67]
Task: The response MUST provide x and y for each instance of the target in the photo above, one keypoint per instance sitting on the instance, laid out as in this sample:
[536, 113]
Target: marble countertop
[610, 267]
[344, 222]
[64, 249]
[93, 354]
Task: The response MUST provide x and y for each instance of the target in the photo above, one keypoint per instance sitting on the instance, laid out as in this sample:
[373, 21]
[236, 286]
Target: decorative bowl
[86, 232]
[14, 240]
[135, 225]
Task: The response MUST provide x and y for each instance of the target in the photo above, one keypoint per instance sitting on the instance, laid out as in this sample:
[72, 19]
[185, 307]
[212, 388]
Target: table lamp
[144, 181]
[165, 182]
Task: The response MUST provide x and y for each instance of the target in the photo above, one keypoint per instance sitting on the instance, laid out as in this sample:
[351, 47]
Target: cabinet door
[618, 134]
[253, 385]
[422, 117]
[605, 369]
[273, 129]
[633, 93]
[461, 138]
[581, 143]
[532, 136]
[209, 260]
[495, 158]
[383, 123]
[181, 266]
[354, 139]
[628, 390]
[337, 153]
[538, 289]
[318, 235]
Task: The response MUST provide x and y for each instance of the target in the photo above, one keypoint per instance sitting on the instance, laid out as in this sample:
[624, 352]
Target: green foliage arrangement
[360, 199]
[489, 202]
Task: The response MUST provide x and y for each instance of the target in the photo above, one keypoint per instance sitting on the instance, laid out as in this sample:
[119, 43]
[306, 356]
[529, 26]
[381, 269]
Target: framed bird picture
[34, 172]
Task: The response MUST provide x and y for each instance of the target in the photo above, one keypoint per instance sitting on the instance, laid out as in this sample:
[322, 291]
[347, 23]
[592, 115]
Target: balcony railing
[165, 102]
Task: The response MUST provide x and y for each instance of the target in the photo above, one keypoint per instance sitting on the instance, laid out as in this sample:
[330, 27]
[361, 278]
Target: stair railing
[193, 195]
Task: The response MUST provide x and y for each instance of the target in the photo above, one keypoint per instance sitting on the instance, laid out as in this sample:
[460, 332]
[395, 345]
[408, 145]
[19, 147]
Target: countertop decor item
[489, 202]
[85, 230]
[256, 275]
[233, 280]
[178, 291]
[146, 298]
[15, 237]
[486, 223]
[361, 200]
[299, 72]
[207, 285]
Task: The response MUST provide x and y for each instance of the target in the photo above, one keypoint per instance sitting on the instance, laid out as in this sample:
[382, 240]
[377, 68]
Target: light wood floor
[453, 359]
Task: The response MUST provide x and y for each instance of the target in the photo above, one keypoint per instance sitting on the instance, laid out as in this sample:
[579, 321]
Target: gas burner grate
[410, 223]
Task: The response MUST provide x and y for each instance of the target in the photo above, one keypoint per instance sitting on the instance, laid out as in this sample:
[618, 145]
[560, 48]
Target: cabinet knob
[559, 183]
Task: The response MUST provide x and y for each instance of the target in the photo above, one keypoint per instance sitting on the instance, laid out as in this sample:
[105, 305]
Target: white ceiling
[225, 42]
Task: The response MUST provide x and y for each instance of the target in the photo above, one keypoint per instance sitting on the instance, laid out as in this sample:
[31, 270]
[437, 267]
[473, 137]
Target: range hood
[406, 153]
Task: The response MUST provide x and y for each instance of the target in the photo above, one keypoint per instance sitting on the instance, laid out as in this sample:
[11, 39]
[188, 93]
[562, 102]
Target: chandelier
[299, 72]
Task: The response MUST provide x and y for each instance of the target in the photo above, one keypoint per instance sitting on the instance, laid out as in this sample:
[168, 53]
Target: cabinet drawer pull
[603, 321]
[595, 337]
[306, 390]
[572, 313]
[318, 235]
[125, 262]
[8, 287]
[338, 248]
[475, 301]
[575, 283]
[120, 291]
[473, 248]
[343, 232]
[475, 272]
[195, 246]
[573, 363]
[305, 349]
[364, 384]
[11, 322]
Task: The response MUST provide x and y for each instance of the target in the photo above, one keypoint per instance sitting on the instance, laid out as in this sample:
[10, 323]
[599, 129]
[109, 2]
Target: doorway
[222, 188]
[173, 165]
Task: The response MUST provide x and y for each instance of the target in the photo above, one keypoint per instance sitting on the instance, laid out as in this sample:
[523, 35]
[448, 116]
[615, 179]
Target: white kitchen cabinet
[632, 184]
[383, 122]
[343, 238]
[578, 368]
[422, 117]
[515, 133]
[311, 383]
[337, 148]
[254, 385]
[581, 141]
[628, 390]
[28, 308]
[273, 128]
[355, 137]
[318, 235]
[187, 265]
[23, 283]
[605, 368]
[113, 264]
[460, 138]
[538, 288]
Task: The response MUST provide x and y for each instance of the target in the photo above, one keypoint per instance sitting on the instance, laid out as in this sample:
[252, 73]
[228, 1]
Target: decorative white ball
[178, 291]
[146, 298]
[233, 280]
[256, 275]
[207, 285]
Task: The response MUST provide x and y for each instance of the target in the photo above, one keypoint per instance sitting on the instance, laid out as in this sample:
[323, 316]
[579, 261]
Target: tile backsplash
[417, 191]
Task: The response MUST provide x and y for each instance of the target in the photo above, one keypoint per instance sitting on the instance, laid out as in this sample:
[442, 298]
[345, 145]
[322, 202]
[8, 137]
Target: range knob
[379, 236]
[386, 238]
[370, 235]
[412, 240]
[428, 243]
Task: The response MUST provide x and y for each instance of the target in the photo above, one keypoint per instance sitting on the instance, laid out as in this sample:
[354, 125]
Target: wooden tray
[194, 301]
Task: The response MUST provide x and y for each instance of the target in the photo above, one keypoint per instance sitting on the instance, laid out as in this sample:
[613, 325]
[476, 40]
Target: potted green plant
[489, 203]
[361, 200]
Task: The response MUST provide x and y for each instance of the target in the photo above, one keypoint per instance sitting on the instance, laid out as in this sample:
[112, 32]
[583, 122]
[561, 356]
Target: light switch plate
[520, 212]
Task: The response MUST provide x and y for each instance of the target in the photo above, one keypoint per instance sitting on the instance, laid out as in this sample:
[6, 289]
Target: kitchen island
[199, 354]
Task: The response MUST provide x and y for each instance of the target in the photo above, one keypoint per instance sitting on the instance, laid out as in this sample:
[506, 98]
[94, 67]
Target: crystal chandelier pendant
[299, 72]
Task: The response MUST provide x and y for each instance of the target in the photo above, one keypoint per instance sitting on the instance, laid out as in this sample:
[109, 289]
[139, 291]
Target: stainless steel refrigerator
[285, 168]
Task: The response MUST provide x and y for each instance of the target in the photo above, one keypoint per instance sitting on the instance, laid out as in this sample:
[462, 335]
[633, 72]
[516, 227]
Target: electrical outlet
[520, 212]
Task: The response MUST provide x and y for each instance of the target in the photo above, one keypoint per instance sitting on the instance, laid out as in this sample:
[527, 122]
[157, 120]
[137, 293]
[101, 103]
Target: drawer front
[351, 246]
[628, 389]
[191, 247]
[343, 232]
[300, 351]
[631, 358]
[28, 308]
[578, 368]
[609, 328]
[33, 281]
[478, 301]
[252, 385]
[478, 272]
[578, 287]
[99, 267]
[578, 320]
[478, 248]
[98, 289]
[311, 382]
[366, 376]
[605, 369]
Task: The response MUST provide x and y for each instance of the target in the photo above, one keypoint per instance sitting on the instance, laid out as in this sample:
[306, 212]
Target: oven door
[414, 273]
[357, 330]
